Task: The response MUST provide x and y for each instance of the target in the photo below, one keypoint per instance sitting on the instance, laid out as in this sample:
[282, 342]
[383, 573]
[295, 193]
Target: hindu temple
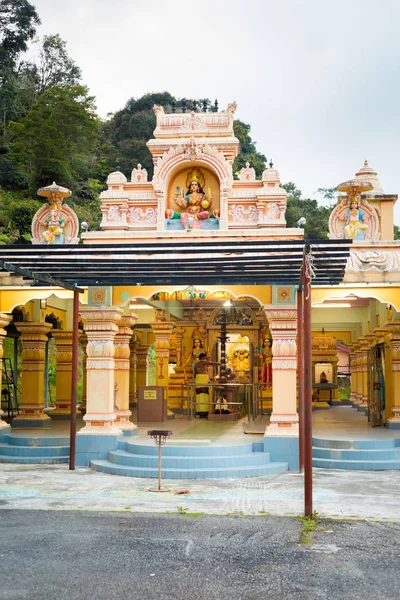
[188, 288]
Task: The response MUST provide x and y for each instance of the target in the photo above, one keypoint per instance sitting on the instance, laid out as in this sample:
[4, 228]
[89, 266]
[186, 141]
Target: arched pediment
[201, 153]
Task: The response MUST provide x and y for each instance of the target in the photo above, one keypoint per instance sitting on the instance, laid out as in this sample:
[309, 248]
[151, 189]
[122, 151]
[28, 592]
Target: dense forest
[49, 131]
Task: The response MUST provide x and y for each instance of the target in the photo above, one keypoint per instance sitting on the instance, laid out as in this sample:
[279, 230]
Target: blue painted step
[270, 468]
[363, 455]
[34, 450]
[189, 462]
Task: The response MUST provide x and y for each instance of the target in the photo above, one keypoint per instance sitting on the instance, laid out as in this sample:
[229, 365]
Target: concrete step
[270, 468]
[33, 451]
[357, 465]
[16, 440]
[150, 461]
[169, 449]
[365, 444]
[34, 460]
[370, 454]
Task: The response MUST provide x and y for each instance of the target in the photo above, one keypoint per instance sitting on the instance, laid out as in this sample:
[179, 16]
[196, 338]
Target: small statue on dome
[355, 226]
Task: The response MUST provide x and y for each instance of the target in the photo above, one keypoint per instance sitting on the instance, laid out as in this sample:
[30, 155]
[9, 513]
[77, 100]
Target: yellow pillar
[100, 325]
[162, 330]
[63, 340]
[358, 373]
[83, 341]
[4, 321]
[393, 414]
[364, 345]
[134, 345]
[353, 374]
[180, 373]
[284, 419]
[141, 364]
[122, 365]
[33, 340]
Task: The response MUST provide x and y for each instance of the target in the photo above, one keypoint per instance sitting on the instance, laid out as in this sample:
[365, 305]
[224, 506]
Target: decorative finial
[216, 105]
[365, 163]
[194, 105]
[204, 105]
[117, 167]
[173, 107]
[183, 106]
[271, 164]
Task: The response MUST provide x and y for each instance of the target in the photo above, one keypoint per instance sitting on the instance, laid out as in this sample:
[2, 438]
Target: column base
[32, 418]
[122, 421]
[5, 429]
[100, 424]
[283, 426]
[363, 407]
[283, 449]
[394, 421]
[62, 412]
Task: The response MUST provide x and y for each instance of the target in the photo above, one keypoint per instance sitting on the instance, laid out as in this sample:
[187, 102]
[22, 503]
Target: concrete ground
[337, 494]
[73, 555]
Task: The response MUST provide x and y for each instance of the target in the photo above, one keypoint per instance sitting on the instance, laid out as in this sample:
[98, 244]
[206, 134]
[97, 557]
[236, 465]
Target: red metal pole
[308, 483]
[75, 349]
[300, 372]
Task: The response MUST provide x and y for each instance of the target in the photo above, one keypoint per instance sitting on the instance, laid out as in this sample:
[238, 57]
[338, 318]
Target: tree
[59, 128]
[248, 150]
[317, 217]
[54, 67]
[18, 22]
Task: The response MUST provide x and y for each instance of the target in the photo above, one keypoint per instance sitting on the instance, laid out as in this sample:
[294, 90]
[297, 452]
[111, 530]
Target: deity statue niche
[198, 208]
[354, 218]
[239, 356]
[55, 223]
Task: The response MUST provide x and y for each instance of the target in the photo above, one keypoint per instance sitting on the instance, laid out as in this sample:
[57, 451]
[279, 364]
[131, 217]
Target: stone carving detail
[193, 151]
[247, 173]
[241, 213]
[139, 175]
[97, 348]
[338, 218]
[142, 215]
[283, 347]
[113, 213]
[273, 211]
[192, 122]
[373, 260]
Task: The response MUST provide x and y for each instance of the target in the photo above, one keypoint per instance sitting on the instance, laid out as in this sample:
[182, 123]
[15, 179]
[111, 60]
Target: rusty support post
[308, 483]
[300, 373]
[74, 383]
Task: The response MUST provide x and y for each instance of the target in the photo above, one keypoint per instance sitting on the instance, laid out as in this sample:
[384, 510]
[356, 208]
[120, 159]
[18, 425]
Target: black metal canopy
[178, 262]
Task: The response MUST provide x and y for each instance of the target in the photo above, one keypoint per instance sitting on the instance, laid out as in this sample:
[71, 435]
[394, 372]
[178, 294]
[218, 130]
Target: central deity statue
[194, 203]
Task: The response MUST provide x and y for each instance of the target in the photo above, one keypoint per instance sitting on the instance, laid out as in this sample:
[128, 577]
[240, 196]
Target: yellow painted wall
[389, 294]
[9, 299]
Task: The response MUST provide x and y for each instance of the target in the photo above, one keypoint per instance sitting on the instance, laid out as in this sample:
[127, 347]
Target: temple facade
[137, 335]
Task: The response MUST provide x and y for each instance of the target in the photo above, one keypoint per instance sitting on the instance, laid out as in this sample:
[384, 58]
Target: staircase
[34, 450]
[189, 462]
[363, 455]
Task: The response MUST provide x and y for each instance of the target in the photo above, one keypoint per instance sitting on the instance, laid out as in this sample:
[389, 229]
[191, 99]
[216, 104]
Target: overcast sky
[318, 80]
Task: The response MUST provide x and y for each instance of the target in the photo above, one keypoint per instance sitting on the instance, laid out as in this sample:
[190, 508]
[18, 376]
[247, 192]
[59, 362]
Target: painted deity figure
[241, 360]
[195, 204]
[197, 349]
[266, 362]
[55, 221]
[355, 226]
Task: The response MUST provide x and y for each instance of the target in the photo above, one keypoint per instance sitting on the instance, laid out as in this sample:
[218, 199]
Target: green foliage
[396, 232]
[248, 151]
[61, 125]
[54, 67]
[16, 214]
[18, 22]
[317, 217]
